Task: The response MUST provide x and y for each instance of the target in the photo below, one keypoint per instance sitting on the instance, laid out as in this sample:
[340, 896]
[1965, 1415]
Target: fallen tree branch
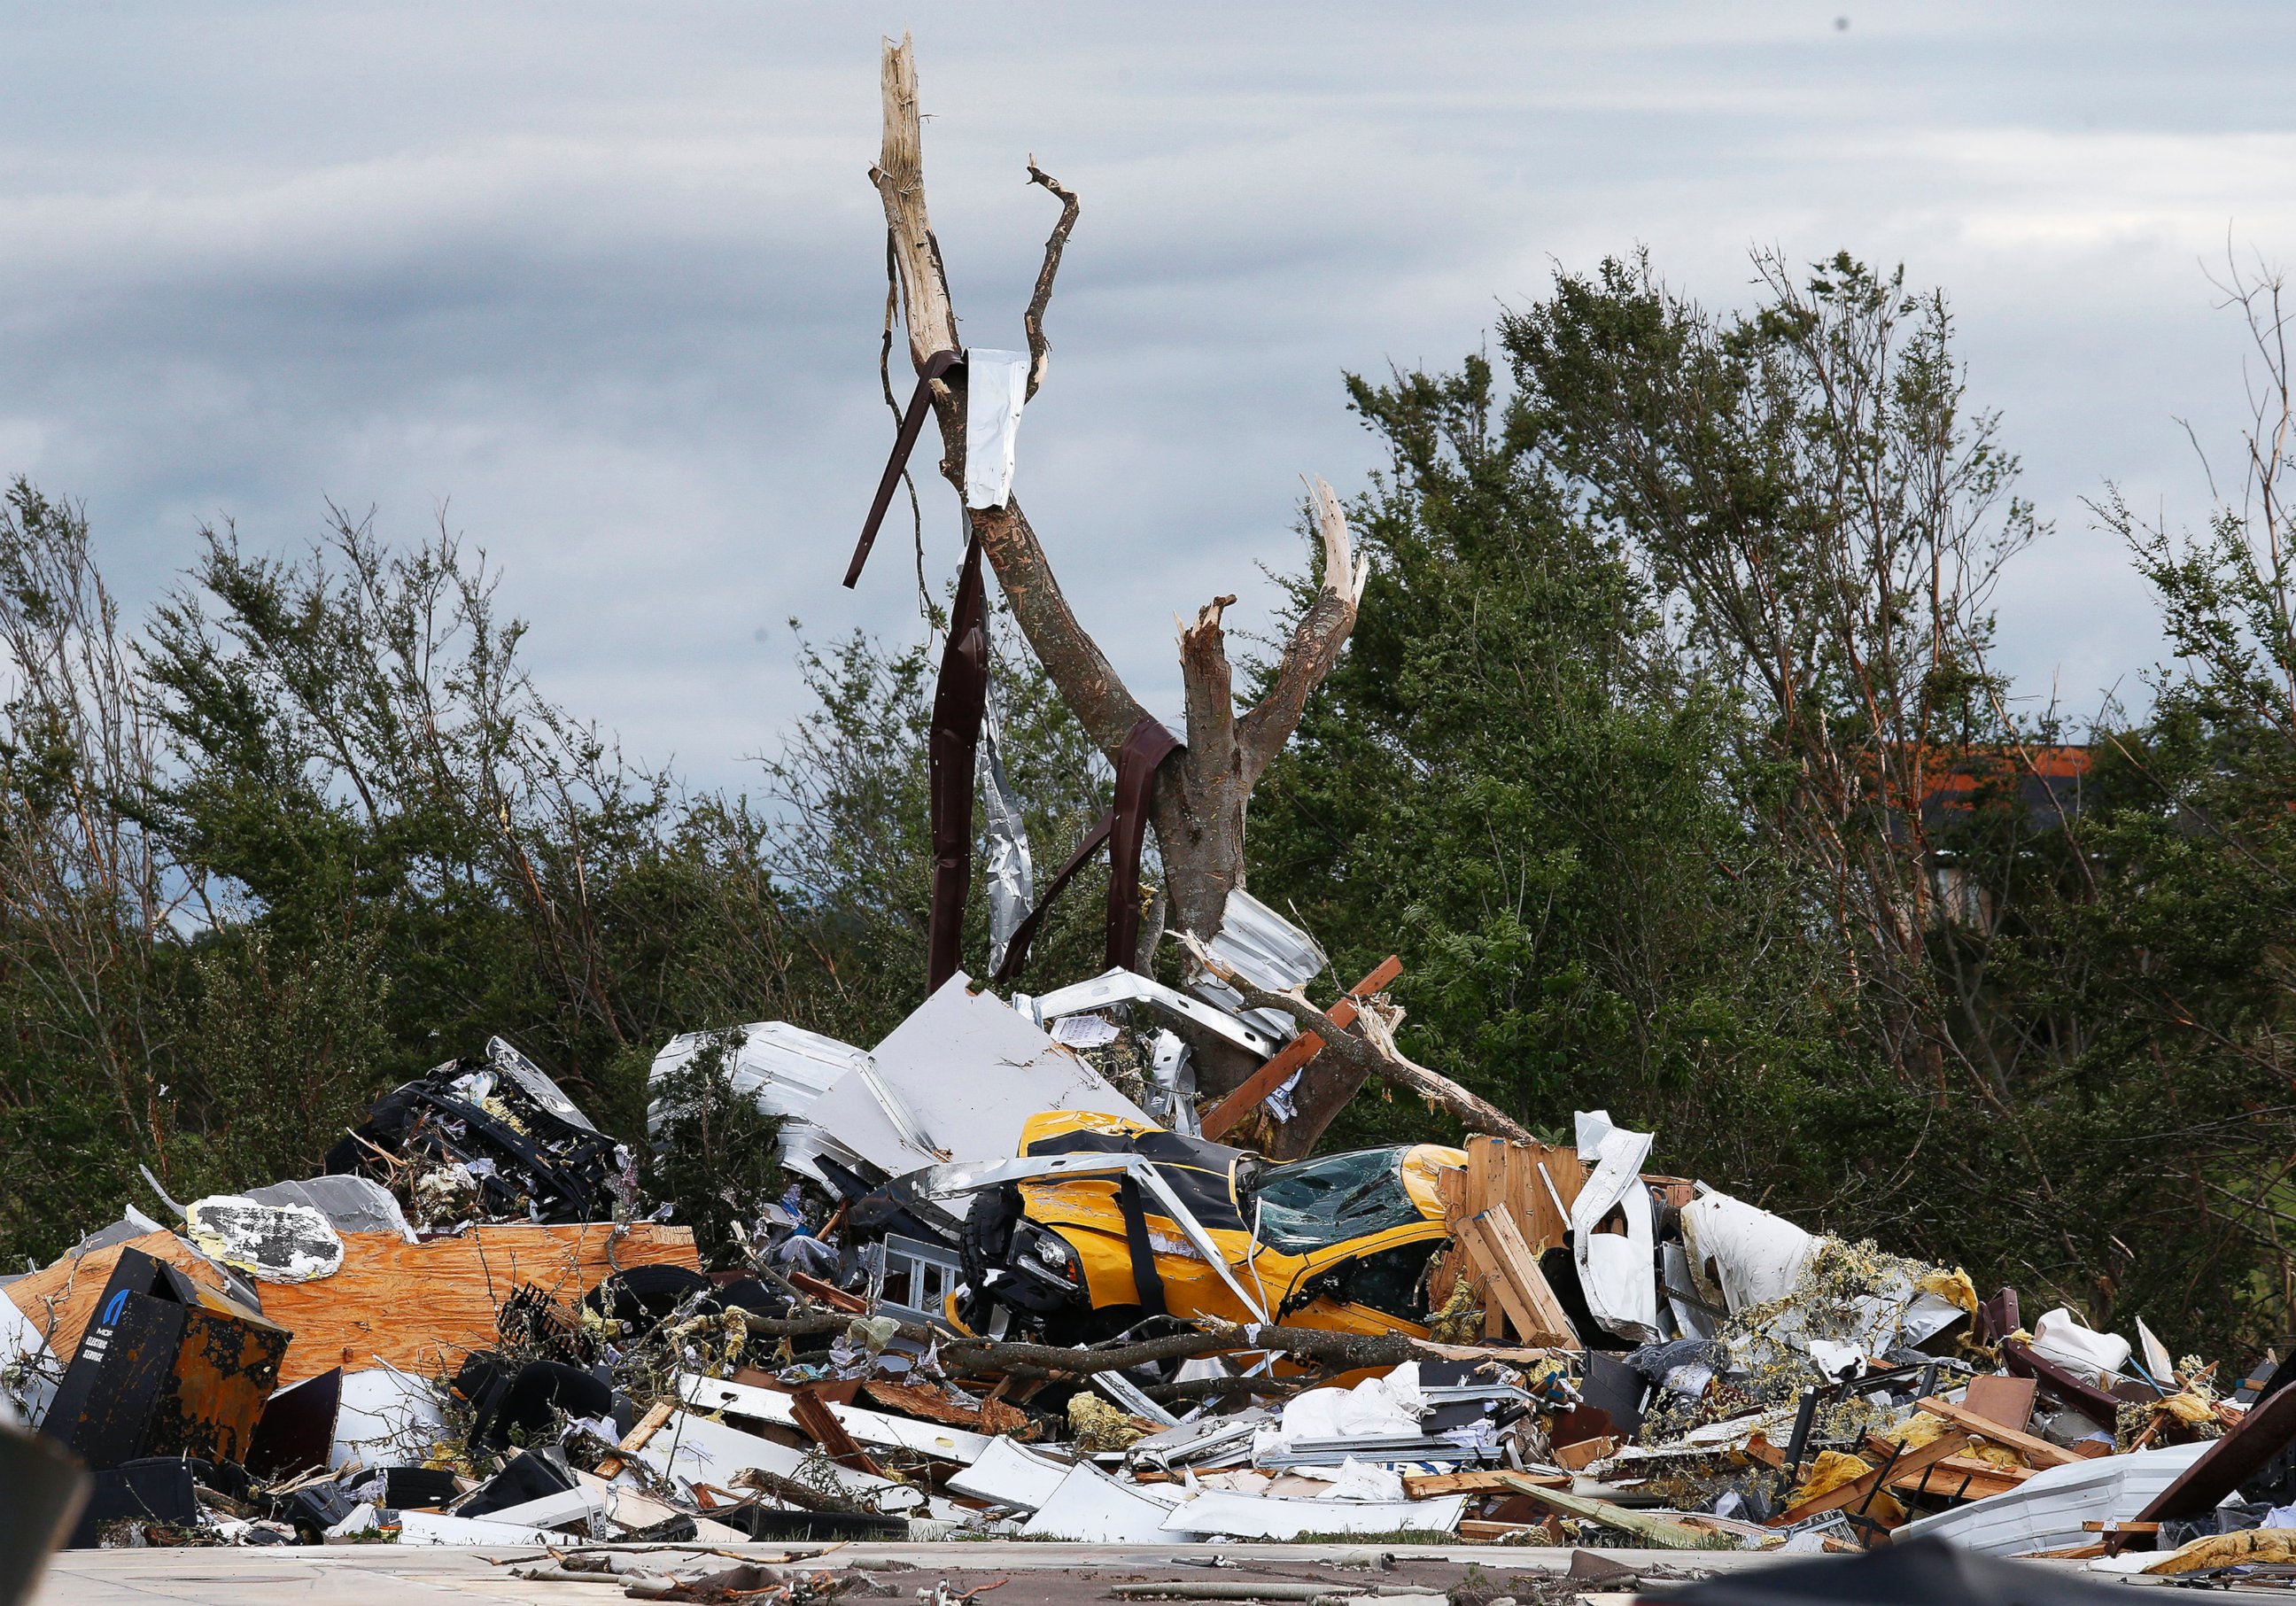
[1369, 1053]
[789, 1491]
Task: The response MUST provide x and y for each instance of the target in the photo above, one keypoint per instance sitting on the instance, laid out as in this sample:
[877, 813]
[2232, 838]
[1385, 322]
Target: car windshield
[1312, 1204]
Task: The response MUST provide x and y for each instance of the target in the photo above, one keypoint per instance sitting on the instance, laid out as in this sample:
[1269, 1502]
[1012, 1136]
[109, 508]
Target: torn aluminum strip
[272, 1243]
[1207, 1439]
[1267, 950]
[1010, 876]
[897, 1111]
[996, 388]
[1130, 1395]
[1121, 985]
[1172, 1084]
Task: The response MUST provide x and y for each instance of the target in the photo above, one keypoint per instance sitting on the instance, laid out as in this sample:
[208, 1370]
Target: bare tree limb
[1369, 1053]
[1040, 350]
[1315, 644]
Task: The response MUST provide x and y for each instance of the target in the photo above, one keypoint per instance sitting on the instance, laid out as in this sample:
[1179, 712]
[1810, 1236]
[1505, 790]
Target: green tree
[1509, 780]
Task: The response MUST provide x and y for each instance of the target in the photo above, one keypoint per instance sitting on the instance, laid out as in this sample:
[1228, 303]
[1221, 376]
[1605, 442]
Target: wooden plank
[2039, 1451]
[1856, 1491]
[1482, 1152]
[828, 1293]
[1295, 1053]
[2007, 1400]
[1520, 1267]
[421, 1306]
[1524, 1191]
[1963, 1478]
[634, 1440]
[821, 1424]
[1585, 1453]
[1499, 1292]
[1451, 1188]
[1474, 1528]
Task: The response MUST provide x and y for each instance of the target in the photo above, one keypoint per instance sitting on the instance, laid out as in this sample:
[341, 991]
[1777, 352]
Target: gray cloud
[605, 281]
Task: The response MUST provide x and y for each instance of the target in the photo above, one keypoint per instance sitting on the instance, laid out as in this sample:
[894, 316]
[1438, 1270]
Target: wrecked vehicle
[1345, 1242]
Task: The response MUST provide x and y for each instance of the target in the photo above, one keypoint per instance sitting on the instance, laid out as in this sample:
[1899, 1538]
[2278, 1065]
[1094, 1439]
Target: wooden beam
[1483, 1256]
[1520, 1267]
[1428, 1486]
[634, 1440]
[1661, 1531]
[1295, 1053]
[821, 1425]
[2039, 1451]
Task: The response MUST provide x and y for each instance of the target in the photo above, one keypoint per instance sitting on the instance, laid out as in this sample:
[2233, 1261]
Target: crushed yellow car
[1344, 1241]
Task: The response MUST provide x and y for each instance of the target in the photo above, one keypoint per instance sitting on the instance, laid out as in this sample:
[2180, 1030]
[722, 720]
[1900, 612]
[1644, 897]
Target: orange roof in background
[2048, 777]
[2061, 763]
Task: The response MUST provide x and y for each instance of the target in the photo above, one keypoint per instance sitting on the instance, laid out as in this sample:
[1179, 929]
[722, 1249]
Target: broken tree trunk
[1199, 801]
[1350, 1058]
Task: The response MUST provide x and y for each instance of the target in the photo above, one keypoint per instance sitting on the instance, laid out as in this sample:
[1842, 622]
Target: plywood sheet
[421, 1306]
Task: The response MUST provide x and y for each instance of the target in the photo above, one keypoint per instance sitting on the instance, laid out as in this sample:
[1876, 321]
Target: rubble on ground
[1013, 1289]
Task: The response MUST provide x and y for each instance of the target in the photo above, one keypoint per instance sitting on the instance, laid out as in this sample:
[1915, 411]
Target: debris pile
[1013, 1289]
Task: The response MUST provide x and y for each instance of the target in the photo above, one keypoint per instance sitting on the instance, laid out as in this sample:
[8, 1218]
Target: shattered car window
[1311, 1204]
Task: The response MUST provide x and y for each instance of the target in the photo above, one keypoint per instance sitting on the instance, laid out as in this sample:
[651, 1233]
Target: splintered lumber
[1483, 1262]
[2244, 1451]
[1858, 1489]
[641, 1431]
[1517, 1264]
[2040, 1452]
[421, 1306]
[1534, 1183]
[828, 1293]
[1294, 1054]
[821, 1425]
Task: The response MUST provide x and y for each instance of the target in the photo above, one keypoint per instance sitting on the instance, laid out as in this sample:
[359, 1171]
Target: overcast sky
[605, 281]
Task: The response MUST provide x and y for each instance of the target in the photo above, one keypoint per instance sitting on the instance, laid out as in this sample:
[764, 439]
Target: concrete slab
[1040, 1574]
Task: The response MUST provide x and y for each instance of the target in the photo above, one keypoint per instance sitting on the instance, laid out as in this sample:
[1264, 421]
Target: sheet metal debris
[1010, 1289]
